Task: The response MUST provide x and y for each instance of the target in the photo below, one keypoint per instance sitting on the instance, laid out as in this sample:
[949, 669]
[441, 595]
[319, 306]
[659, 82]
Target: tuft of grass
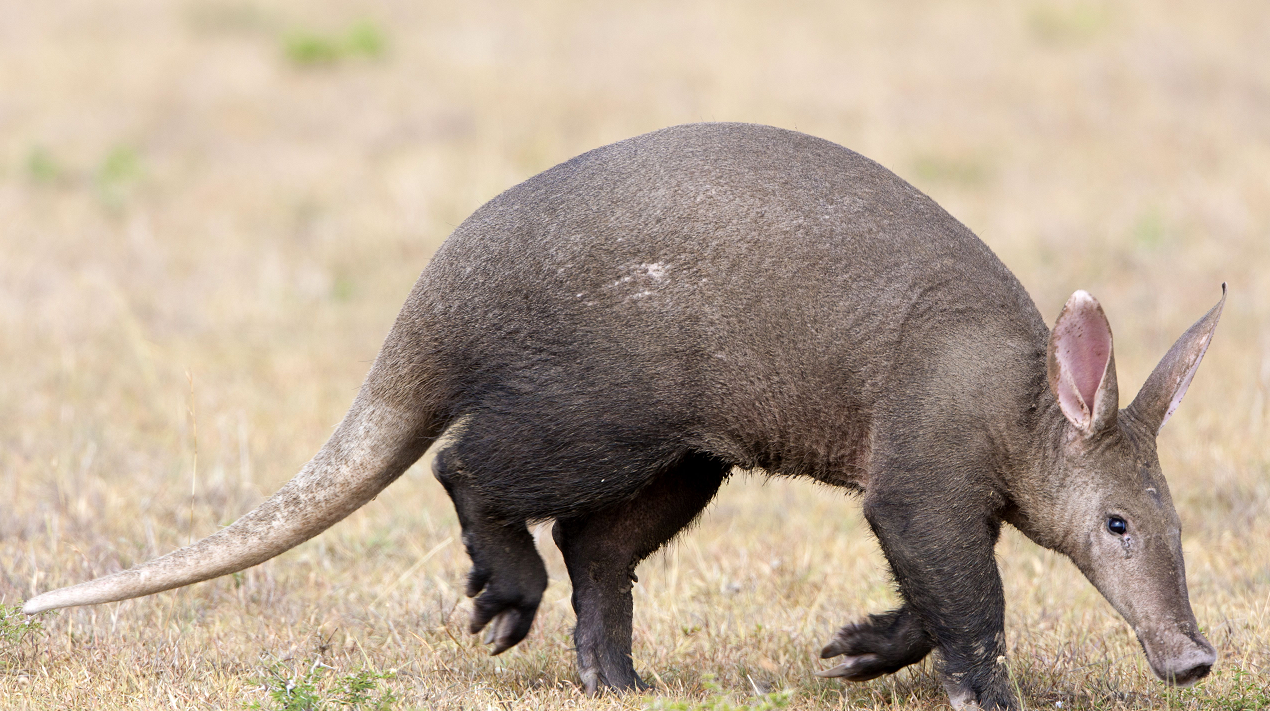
[15, 627]
[42, 167]
[18, 635]
[307, 48]
[1243, 691]
[117, 176]
[315, 690]
[364, 39]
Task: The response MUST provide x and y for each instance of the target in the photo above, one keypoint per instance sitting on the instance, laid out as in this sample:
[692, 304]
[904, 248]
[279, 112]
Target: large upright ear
[1163, 391]
[1082, 369]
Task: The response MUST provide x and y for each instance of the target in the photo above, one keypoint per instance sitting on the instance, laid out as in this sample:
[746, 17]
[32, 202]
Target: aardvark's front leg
[940, 547]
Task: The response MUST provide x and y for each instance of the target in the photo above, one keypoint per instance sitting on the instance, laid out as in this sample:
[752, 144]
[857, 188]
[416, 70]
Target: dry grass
[192, 187]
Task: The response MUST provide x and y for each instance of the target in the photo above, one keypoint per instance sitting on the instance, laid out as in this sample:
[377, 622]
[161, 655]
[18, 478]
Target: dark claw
[841, 642]
[508, 629]
[882, 645]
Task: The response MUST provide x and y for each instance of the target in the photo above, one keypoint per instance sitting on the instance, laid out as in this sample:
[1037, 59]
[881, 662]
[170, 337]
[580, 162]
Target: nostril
[1187, 668]
[1192, 675]
[1187, 675]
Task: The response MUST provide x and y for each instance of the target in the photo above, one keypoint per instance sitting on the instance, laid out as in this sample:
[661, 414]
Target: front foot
[883, 644]
[974, 692]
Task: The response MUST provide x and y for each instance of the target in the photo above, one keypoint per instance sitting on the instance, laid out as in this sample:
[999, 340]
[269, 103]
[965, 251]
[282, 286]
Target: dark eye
[1117, 525]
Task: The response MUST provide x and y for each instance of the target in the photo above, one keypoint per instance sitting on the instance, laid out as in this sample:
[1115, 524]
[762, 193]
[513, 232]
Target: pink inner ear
[1082, 346]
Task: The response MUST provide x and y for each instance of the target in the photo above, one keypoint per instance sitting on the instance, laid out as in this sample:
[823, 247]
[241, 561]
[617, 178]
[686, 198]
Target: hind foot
[507, 595]
[603, 634]
[601, 667]
[883, 644]
[508, 576]
[602, 599]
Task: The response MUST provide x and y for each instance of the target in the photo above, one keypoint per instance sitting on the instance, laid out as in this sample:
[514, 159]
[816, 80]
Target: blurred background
[211, 210]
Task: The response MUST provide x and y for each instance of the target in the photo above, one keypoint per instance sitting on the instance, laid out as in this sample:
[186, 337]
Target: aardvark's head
[1108, 507]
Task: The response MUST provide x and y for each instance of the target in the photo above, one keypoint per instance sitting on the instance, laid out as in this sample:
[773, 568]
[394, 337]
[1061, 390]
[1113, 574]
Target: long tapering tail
[373, 445]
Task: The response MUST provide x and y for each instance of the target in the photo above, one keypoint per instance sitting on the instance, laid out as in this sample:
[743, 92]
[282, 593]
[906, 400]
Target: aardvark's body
[607, 340]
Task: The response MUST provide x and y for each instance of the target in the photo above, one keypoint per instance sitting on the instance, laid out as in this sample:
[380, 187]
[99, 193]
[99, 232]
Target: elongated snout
[1180, 659]
[1144, 577]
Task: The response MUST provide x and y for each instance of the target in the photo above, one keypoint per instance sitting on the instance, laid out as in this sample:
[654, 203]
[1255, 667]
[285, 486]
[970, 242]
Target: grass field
[211, 210]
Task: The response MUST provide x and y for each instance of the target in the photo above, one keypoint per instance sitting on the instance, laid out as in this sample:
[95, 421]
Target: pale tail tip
[38, 604]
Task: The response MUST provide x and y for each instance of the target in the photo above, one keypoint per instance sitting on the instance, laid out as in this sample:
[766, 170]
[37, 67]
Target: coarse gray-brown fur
[603, 343]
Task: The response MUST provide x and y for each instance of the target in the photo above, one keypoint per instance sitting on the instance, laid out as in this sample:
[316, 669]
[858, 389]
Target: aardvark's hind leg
[508, 576]
[601, 551]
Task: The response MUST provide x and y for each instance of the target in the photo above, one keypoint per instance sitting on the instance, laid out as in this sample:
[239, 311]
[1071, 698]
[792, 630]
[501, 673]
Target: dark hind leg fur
[601, 551]
[882, 644]
[508, 576]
